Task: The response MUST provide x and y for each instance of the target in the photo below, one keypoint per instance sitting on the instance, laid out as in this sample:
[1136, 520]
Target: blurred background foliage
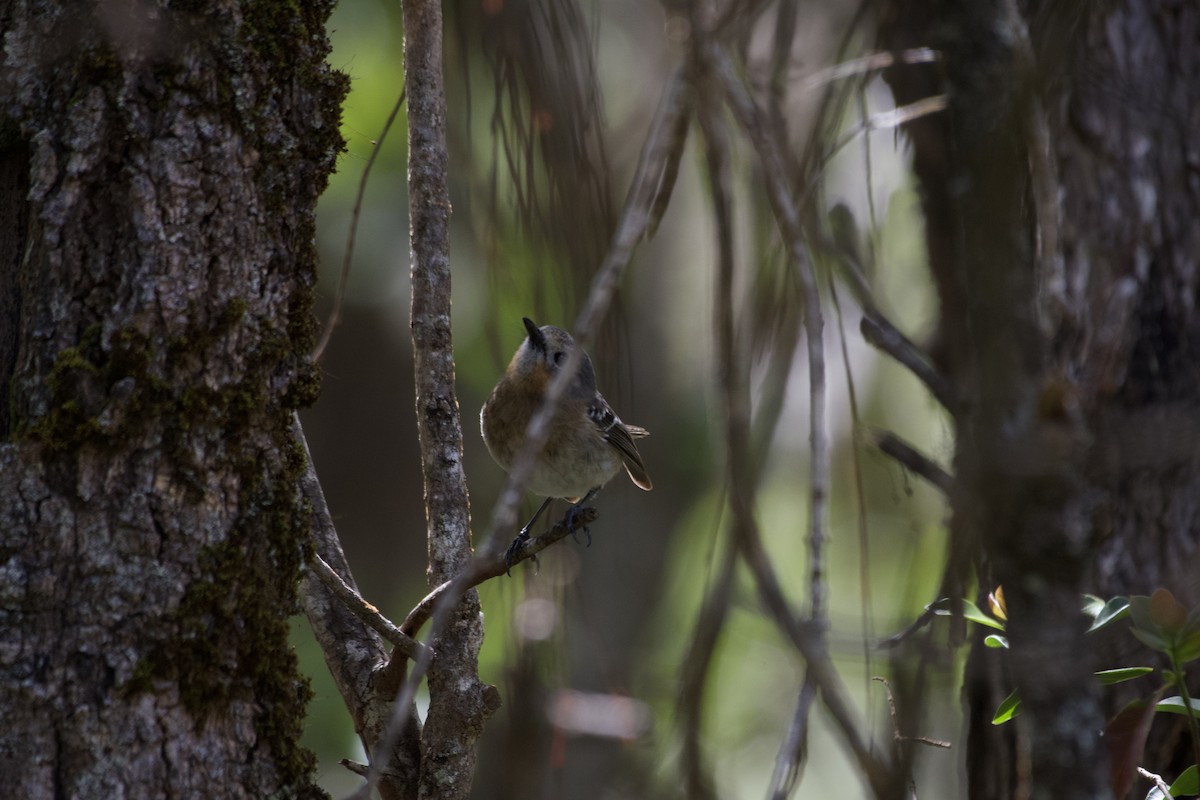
[616, 618]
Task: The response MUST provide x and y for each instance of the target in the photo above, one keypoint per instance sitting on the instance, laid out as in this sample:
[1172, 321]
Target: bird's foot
[572, 521]
[514, 551]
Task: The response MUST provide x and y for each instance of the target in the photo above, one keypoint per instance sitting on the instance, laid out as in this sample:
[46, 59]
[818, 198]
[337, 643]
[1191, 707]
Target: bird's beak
[536, 338]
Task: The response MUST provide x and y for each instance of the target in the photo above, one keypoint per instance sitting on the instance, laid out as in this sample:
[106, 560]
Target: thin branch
[666, 185]
[789, 762]
[880, 333]
[352, 649]
[913, 460]
[715, 611]
[362, 609]
[769, 151]
[808, 639]
[884, 120]
[923, 619]
[896, 734]
[696, 664]
[335, 315]
[873, 62]
[1158, 781]
[482, 569]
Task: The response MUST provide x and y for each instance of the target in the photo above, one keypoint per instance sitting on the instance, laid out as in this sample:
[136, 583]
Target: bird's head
[544, 351]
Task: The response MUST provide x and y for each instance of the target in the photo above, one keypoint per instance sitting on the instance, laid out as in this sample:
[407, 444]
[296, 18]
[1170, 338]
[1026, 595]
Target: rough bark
[459, 703]
[1061, 200]
[160, 170]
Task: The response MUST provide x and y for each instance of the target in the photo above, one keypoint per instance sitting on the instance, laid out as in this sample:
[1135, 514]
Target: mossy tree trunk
[159, 167]
[1061, 198]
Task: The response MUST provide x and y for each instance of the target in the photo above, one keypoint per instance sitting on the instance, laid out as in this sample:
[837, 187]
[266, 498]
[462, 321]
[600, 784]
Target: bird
[587, 444]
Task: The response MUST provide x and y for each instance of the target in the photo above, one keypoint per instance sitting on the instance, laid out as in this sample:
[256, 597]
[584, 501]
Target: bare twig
[335, 315]
[705, 635]
[789, 763]
[716, 606]
[1158, 781]
[894, 118]
[880, 333]
[808, 639]
[352, 649]
[913, 460]
[923, 619]
[769, 150]
[872, 62]
[362, 609]
[896, 734]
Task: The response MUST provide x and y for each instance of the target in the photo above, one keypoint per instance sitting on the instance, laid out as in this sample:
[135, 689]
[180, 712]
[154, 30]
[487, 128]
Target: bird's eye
[559, 357]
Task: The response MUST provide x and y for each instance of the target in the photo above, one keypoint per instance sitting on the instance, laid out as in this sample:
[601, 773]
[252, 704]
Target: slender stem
[1192, 722]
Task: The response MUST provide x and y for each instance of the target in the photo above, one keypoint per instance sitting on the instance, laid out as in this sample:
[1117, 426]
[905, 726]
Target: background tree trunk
[1061, 201]
[160, 169]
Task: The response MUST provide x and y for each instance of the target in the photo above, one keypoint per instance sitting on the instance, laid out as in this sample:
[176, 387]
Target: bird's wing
[621, 437]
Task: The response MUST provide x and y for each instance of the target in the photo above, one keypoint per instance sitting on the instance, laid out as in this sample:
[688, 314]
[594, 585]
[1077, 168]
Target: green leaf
[1151, 640]
[1107, 613]
[972, 612]
[1009, 708]
[1188, 783]
[1108, 677]
[992, 640]
[1174, 705]
[1167, 613]
[1092, 605]
[1188, 647]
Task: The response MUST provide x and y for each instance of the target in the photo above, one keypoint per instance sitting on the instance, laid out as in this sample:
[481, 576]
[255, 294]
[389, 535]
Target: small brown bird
[587, 444]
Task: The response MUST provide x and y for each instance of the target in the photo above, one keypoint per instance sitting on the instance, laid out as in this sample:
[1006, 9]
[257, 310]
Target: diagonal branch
[482, 569]
[882, 334]
[352, 649]
[360, 608]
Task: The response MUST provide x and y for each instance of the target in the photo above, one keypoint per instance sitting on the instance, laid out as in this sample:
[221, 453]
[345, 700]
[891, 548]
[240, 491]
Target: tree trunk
[160, 168]
[1061, 198]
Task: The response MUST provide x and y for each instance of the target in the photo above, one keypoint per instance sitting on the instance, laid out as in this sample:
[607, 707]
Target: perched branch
[913, 460]
[880, 333]
[482, 569]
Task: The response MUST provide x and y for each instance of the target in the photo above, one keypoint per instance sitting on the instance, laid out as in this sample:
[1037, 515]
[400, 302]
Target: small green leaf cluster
[1161, 623]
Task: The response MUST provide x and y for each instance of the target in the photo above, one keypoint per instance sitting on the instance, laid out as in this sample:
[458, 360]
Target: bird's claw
[572, 519]
[514, 550]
